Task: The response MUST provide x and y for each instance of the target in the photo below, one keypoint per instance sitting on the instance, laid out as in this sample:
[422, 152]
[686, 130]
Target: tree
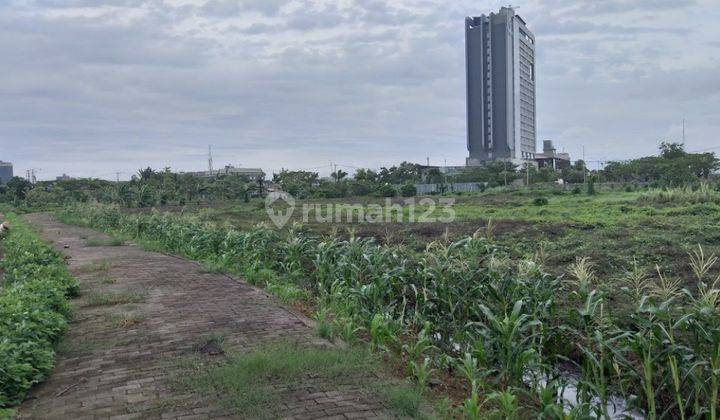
[297, 183]
[672, 150]
[17, 188]
[339, 175]
[408, 190]
[365, 175]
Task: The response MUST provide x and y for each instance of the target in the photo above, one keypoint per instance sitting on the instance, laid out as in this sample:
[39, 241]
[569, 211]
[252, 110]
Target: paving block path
[115, 360]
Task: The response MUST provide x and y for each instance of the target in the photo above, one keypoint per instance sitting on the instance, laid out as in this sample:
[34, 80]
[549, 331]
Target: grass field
[614, 229]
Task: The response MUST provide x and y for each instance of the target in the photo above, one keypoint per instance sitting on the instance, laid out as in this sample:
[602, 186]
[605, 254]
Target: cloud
[94, 87]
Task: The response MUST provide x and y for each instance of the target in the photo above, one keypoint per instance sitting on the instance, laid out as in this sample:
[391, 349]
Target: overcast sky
[92, 87]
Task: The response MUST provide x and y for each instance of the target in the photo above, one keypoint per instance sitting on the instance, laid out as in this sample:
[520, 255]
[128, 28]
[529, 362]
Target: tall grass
[465, 309]
[702, 194]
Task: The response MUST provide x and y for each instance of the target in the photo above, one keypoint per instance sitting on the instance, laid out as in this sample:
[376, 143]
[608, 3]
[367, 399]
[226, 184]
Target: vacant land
[614, 229]
[618, 289]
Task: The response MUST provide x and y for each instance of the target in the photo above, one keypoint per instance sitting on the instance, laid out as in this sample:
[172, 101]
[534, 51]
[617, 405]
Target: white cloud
[94, 87]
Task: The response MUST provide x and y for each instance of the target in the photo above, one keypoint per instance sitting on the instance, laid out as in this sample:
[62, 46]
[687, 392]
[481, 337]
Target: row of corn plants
[33, 310]
[466, 311]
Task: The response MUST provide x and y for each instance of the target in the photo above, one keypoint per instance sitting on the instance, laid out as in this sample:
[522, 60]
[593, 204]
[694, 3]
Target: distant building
[551, 158]
[63, 177]
[6, 172]
[252, 174]
[427, 171]
[500, 69]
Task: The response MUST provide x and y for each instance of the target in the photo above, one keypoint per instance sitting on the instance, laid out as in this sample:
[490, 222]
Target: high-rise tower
[500, 66]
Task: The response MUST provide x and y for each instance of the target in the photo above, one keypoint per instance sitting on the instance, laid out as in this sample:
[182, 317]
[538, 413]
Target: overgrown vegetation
[113, 298]
[104, 242]
[33, 311]
[248, 382]
[674, 167]
[468, 310]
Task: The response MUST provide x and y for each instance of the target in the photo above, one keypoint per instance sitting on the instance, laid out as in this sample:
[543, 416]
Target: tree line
[673, 166]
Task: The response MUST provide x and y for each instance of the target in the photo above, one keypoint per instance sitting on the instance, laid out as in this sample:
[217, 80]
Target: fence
[424, 189]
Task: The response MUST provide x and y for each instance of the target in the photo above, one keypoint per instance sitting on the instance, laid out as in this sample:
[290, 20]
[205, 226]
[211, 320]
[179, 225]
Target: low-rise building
[551, 158]
[252, 174]
[6, 172]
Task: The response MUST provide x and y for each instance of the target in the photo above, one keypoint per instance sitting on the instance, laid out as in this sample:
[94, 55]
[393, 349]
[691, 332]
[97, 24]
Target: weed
[112, 241]
[541, 201]
[406, 399]
[347, 330]
[212, 267]
[323, 327]
[287, 292]
[114, 298]
[125, 320]
[246, 381]
[107, 280]
[95, 266]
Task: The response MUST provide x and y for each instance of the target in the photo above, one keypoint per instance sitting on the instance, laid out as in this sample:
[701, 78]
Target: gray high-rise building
[500, 60]
[6, 172]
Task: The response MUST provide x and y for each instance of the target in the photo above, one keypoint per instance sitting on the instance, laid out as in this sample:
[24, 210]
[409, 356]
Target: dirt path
[116, 358]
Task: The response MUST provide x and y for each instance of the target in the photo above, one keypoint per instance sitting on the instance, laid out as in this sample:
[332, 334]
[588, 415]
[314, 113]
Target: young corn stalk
[704, 322]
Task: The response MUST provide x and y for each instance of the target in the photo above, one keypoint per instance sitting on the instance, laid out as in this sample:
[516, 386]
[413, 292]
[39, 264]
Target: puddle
[617, 407]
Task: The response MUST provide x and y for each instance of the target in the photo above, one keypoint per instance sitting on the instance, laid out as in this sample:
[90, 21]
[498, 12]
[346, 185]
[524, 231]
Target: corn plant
[347, 330]
[471, 407]
[383, 331]
[510, 336]
[421, 371]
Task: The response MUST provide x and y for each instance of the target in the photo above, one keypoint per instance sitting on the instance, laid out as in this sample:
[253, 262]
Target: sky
[93, 88]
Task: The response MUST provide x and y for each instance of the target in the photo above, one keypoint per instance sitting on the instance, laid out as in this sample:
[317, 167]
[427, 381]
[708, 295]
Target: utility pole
[584, 167]
[505, 172]
[683, 132]
[527, 173]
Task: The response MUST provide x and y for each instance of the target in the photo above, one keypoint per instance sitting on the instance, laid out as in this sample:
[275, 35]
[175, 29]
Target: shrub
[541, 201]
[591, 187]
[704, 194]
[386, 190]
[408, 190]
[33, 311]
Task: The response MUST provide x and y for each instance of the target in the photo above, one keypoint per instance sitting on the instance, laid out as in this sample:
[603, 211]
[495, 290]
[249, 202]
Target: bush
[408, 190]
[386, 190]
[700, 195]
[591, 187]
[541, 201]
[33, 311]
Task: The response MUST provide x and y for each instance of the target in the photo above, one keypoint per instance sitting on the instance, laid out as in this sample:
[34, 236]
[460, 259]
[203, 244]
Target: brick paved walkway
[115, 360]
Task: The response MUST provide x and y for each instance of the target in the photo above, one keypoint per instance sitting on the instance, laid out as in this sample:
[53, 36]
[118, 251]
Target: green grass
[125, 320]
[405, 399]
[114, 298]
[252, 383]
[107, 280]
[112, 241]
[287, 292]
[95, 266]
[212, 267]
